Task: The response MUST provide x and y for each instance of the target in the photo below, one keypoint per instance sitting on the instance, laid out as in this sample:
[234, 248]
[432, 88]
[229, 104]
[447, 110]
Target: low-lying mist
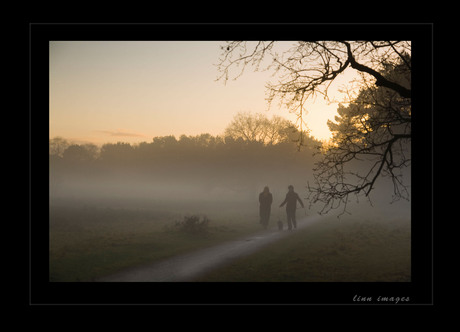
[122, 207]
[203, 181]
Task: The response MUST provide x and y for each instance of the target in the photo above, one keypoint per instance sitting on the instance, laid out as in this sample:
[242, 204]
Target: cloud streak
[120, 133]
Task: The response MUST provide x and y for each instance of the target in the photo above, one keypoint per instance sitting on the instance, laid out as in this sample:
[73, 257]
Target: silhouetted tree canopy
[57, 146]
[80, 153]
[259, 128]
[376, 123]
[374, 129]
[204, 161]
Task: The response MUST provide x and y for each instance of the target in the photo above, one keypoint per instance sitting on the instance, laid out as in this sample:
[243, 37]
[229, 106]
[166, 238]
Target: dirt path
[188, 266]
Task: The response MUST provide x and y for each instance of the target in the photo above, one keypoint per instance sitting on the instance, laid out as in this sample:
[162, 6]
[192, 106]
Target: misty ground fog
[178, 174]
[198, 176]
[120, 207]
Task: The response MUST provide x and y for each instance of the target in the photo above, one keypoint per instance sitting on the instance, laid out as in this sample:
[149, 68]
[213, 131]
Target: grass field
[90, 241]
[87, 242]
[331, 250]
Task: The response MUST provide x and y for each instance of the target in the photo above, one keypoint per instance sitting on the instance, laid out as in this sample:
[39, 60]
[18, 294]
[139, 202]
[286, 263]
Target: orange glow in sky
[132, 91]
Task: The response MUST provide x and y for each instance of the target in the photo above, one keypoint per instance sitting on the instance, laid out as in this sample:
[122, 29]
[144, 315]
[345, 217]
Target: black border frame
[419, 290]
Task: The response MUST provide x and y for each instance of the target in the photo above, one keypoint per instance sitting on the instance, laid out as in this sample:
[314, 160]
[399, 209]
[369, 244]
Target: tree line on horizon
[247, 132]
[254, 151]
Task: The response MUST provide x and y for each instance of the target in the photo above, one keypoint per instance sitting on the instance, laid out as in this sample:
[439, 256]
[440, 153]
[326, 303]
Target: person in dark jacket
[291, 205]
[265, 200]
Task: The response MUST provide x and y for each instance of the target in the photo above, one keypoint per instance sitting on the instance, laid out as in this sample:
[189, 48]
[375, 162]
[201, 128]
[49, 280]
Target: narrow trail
[188, 266]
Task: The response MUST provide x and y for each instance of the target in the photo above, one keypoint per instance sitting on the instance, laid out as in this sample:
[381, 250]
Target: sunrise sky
[114, 91]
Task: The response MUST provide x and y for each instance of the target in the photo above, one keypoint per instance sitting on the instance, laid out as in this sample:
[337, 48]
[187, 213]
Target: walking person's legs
[289, 219]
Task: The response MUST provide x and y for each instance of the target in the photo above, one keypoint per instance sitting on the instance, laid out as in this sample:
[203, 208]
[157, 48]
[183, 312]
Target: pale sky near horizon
[131, 91]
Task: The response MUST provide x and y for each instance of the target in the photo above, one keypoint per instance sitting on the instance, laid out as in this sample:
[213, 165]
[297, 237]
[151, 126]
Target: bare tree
[374, 129]
[57, 146]
[249, 128]
[259, 128]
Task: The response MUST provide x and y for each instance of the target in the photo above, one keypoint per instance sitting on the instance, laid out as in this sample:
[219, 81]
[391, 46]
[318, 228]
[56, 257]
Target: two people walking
[266, 199]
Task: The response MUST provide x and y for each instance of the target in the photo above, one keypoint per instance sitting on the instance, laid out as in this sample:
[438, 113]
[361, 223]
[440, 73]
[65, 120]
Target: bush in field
[194, 224]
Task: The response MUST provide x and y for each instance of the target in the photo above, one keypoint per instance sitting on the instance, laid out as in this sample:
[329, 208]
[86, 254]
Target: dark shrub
[194, 224]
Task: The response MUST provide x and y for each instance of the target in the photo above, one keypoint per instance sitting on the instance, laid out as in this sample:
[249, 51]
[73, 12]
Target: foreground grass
[87, 242]
[329, 251]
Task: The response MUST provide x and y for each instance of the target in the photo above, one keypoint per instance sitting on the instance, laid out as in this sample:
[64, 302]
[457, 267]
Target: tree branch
[380, 80]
